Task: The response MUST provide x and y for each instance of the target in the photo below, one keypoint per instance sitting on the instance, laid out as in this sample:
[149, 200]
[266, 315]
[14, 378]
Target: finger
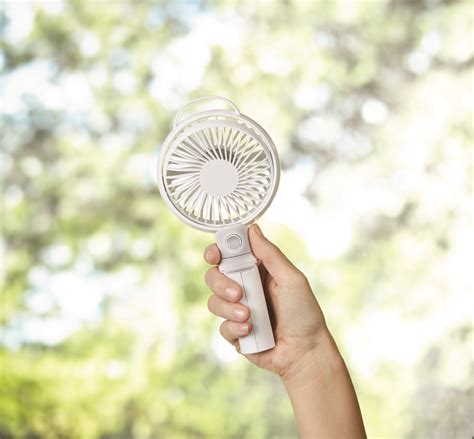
[231, 331]
[223, 286]
[212, 255]
[235, 312]
[271, 256]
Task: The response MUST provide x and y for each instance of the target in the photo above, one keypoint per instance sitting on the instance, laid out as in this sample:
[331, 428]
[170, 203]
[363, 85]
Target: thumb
[276, 263]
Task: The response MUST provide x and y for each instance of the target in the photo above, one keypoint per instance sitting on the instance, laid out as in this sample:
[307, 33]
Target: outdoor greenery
[105, 329]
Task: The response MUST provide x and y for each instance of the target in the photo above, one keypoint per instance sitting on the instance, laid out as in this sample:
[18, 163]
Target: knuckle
[210, 304]
[215, 252]
[208, 277]
[207, 252]
[212, 254]
[223, 328]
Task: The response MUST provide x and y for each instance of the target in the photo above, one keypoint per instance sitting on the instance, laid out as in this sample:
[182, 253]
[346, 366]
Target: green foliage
[105, 331]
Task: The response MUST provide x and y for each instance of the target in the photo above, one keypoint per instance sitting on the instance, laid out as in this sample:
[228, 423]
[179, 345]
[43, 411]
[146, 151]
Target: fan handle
[239, 264]
[202, 98]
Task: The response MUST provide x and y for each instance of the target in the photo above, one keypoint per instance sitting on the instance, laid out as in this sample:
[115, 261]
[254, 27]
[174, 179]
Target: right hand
[298, 322]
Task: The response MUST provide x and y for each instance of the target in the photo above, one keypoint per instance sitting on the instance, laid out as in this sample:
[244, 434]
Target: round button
[233, 242]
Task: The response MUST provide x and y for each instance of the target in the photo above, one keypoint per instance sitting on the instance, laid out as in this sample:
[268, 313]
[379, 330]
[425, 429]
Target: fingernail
[207, 255]
[244, 329]
[239, 313]
[231, 293]
[258, 230]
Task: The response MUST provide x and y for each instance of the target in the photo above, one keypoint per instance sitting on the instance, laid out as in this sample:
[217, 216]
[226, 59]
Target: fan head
[218, 168]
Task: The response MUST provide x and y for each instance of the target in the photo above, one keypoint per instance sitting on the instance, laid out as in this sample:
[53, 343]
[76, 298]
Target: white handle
[261, 337]
[219, 98]
[240, 265]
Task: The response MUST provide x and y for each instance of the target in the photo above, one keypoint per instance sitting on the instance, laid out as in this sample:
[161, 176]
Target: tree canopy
[105, 331]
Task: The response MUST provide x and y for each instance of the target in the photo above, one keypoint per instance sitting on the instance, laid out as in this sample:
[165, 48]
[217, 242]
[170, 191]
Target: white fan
[218, 171]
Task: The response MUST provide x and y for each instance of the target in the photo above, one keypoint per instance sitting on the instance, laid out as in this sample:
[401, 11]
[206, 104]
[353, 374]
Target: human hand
[305, 354]
[298, 323]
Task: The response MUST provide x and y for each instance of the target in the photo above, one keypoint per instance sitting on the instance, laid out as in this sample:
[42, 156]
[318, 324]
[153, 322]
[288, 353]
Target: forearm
[322, 394]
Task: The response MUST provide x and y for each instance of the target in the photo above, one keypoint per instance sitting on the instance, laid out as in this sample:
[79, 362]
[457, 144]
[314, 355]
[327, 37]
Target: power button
[233, 242]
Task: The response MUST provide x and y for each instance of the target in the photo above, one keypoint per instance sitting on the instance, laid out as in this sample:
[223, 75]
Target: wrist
[322, 394]
[321, 359]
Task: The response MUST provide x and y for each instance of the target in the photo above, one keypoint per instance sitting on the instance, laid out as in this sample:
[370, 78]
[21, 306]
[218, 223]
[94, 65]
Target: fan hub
[218, 178]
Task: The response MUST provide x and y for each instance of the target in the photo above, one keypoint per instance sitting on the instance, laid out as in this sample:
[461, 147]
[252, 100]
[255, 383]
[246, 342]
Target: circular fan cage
[218, 168]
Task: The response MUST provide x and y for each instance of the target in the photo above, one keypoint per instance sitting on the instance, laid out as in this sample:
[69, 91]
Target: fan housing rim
[217, 118]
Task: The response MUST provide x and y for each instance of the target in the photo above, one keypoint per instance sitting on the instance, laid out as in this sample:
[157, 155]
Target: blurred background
[105, 329]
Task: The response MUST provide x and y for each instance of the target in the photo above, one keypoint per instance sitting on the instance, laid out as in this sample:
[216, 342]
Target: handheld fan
[218, 170]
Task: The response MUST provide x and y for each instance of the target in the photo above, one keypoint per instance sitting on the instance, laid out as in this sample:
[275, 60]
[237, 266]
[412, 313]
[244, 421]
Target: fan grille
[218, 173]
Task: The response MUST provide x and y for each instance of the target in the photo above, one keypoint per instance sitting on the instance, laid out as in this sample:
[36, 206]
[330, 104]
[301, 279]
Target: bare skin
[305, 356]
